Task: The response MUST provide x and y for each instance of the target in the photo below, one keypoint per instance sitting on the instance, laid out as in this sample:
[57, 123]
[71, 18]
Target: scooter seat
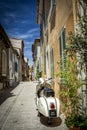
[48, 92]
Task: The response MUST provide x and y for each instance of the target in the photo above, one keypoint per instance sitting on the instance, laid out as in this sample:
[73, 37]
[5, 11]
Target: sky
[18, 18]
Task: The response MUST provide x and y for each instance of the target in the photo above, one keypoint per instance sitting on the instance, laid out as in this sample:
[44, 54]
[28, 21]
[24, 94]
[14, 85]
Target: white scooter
[47, 104]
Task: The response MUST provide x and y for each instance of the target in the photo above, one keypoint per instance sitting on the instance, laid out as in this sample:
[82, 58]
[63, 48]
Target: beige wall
[63, 18]
[18, 46]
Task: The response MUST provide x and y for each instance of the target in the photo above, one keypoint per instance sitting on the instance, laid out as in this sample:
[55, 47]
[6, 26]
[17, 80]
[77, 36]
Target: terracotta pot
[85, 128]
[74, 128]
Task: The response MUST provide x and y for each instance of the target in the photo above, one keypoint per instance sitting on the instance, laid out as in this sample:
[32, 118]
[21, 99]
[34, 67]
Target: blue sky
[18, 18]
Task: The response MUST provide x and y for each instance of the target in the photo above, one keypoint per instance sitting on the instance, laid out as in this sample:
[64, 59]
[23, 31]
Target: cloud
[20, 35]
[25, 36]
[28, 54]
[27, 48]
[24, 22]
[28, 42]
[33, 30]
[30, 62]
[28, 34]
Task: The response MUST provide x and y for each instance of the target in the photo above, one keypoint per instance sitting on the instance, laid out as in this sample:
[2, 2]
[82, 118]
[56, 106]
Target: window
[52, 4]
[16, 67]
[52, 62]
[4, 63]
[53, 15]
[62, 47]
[45, 60]
[10, 54]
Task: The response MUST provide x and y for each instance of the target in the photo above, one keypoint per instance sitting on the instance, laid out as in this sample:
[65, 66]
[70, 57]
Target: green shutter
[62, 47]
[52, 62]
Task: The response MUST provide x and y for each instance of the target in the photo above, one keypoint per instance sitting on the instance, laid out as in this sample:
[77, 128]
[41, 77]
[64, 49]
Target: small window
[10, 55]
[52, 62]
[16, 67]
[4, 63]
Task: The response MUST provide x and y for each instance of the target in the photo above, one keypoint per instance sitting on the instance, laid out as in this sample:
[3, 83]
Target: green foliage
[69, 91]
[76, 121]
[78, 42]
[70, 86]
[76, 52]
[38, 73]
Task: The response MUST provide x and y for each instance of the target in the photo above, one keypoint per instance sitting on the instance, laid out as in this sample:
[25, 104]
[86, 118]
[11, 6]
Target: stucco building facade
[18, 45]
[56, 19]
[37, 58]
[4, 56]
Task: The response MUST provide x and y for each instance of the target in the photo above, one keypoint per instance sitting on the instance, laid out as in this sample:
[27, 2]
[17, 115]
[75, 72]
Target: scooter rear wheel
[49, 121]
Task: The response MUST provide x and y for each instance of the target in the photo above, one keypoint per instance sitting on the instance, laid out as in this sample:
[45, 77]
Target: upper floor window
[4, 63]
[52, 62]
[11, 55]
[62, 46]
[52, 15]
[52, 3]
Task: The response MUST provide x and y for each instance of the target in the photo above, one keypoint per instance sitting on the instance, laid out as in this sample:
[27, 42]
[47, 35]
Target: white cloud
[28, 34]
[28, 42]
[33, 30]
[24, 22]
[27, 48]
[28, 54]
[24, 36]
[30, 62]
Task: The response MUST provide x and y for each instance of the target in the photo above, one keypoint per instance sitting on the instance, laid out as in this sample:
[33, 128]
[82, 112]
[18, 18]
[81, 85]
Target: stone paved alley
[18, 110]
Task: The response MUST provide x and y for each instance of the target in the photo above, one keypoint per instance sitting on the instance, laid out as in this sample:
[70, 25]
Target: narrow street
[18, 110]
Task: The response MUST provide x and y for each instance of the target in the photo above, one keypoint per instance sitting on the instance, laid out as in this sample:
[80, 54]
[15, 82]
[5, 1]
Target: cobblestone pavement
[18, 110]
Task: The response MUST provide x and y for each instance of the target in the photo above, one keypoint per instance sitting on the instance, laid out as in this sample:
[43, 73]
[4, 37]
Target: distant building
[36, 50]
[31, 76]
[18, 45]
[9, 61]
[13, 66]
[4, 56]
[26, 69]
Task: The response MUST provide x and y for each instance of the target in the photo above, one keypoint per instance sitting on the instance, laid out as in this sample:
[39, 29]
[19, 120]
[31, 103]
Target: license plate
[52, 113]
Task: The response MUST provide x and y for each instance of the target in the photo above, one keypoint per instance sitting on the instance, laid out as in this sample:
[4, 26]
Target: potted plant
[76, 122]
[69, 94]
[83, 123]
[70, 97]
[77, 52]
